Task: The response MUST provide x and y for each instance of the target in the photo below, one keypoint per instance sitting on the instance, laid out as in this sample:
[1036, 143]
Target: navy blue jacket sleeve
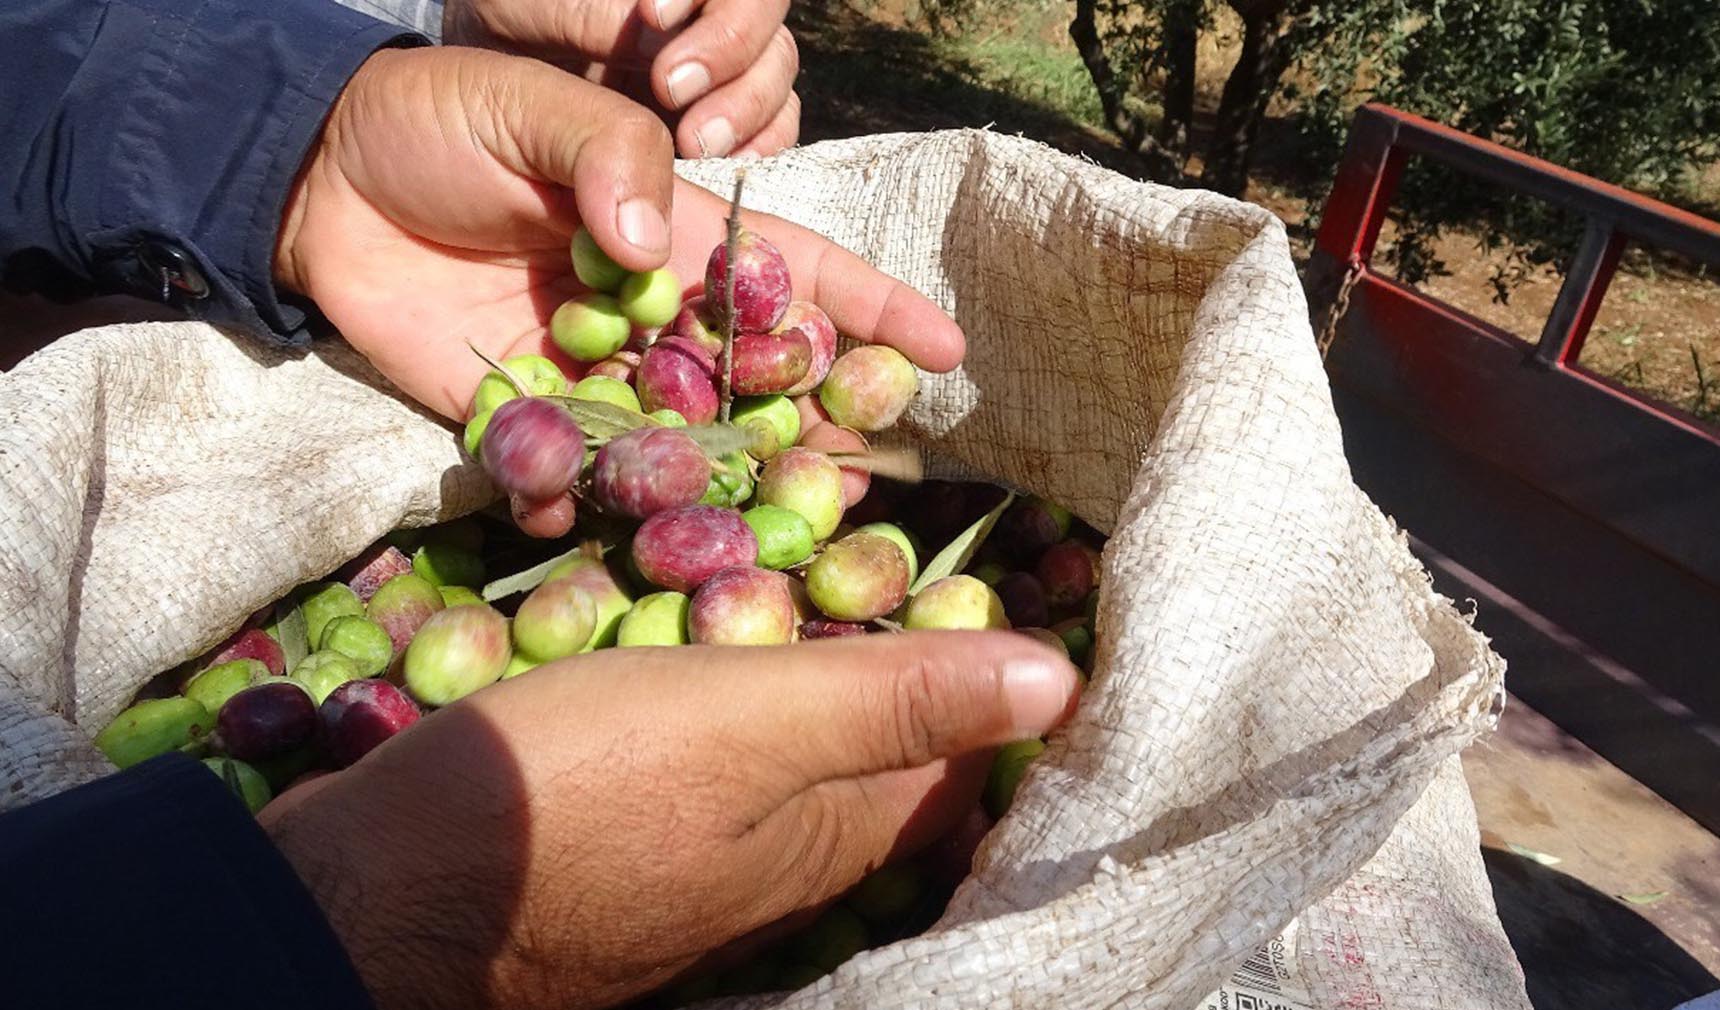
[155, 888]
[150, 144]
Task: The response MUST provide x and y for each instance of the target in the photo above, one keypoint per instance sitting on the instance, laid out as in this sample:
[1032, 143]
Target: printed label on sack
[1265, 981]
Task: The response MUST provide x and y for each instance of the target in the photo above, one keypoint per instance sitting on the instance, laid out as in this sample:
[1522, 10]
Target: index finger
[861, 300]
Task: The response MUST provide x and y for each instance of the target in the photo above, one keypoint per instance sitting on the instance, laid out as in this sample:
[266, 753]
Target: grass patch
[1034, 71]
[861, 74]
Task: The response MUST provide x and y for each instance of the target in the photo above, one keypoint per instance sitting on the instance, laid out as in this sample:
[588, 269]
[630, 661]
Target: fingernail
[642, 225]
[670, 12]
[716, 137]
[686, 83]
[1038, 692]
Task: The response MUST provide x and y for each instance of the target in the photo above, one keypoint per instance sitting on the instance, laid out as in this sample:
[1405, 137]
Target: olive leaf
[531, 578]
[719, 439]
[598, 420]
[1643, 899]
[290, 629]
[1530, 854]
[956, 556]
[896, 463]
[513, 380]
[603, 421]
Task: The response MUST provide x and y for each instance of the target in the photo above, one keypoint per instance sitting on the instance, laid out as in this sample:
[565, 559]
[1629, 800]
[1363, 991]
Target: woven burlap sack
[1276, 684]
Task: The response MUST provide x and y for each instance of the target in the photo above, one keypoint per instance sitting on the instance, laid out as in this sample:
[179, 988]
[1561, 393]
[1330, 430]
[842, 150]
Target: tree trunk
[1132, 129]
[1084, 32]
[1264, 58]
[1181, 31]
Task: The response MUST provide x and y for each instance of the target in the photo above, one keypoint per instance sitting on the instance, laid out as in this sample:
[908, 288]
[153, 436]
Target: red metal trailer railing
[1583, 517]
[1646, 469]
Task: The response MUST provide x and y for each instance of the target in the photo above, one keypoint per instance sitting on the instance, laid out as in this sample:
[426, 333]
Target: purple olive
[267, 721]
[822, 627]
[644, 471]
[360, 714]
[620, 365]
[252, 643]
[533, 448]
[1023, 600]
[770, 362]
[680, 548]
[1029, 527]
[820, 332]
[374, 568]
[679, 375]
[695, 324]
[742, 605]
[1070, 572]
[763, 287]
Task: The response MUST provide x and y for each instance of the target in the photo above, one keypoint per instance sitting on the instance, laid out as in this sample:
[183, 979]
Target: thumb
[879, 703]
[615, 156]
[865, 748]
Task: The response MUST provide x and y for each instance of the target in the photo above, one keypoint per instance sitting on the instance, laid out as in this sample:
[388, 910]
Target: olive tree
[1620, 89]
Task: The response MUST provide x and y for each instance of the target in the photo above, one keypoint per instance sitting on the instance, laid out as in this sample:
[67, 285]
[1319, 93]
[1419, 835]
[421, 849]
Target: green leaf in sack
[513, 380]
[601, 420]
[531, 578]
[956, 556]
[895, 463]
[290, 629]
[1543, 858]
[719, 439]
[1644, 899]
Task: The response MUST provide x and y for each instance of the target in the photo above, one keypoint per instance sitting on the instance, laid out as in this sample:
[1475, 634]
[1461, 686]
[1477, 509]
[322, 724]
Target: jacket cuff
[169, 894]
[210, 124]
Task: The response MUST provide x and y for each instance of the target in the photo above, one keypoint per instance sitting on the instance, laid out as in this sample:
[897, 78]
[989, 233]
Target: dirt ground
[873, 66]
[1606, 891]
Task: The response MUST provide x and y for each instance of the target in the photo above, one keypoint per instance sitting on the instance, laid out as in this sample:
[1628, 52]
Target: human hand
[725, 68]
[588, 831]
[438, 205]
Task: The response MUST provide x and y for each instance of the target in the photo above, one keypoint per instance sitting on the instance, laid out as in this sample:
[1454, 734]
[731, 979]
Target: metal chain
[1341, 304]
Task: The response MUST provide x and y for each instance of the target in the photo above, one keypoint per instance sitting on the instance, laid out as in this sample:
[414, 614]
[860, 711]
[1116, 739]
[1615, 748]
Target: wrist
[288, 272]
[409, 945]
[318, 175]
[301, 838]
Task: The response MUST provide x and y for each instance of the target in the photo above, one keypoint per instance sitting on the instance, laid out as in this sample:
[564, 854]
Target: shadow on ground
[860, 75]
[1593, 952]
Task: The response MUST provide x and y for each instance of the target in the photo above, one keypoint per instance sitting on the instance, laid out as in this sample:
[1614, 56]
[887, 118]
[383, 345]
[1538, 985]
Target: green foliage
[1623, 90]
[1137, 44]
[1137, 41]
[1618, 89]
